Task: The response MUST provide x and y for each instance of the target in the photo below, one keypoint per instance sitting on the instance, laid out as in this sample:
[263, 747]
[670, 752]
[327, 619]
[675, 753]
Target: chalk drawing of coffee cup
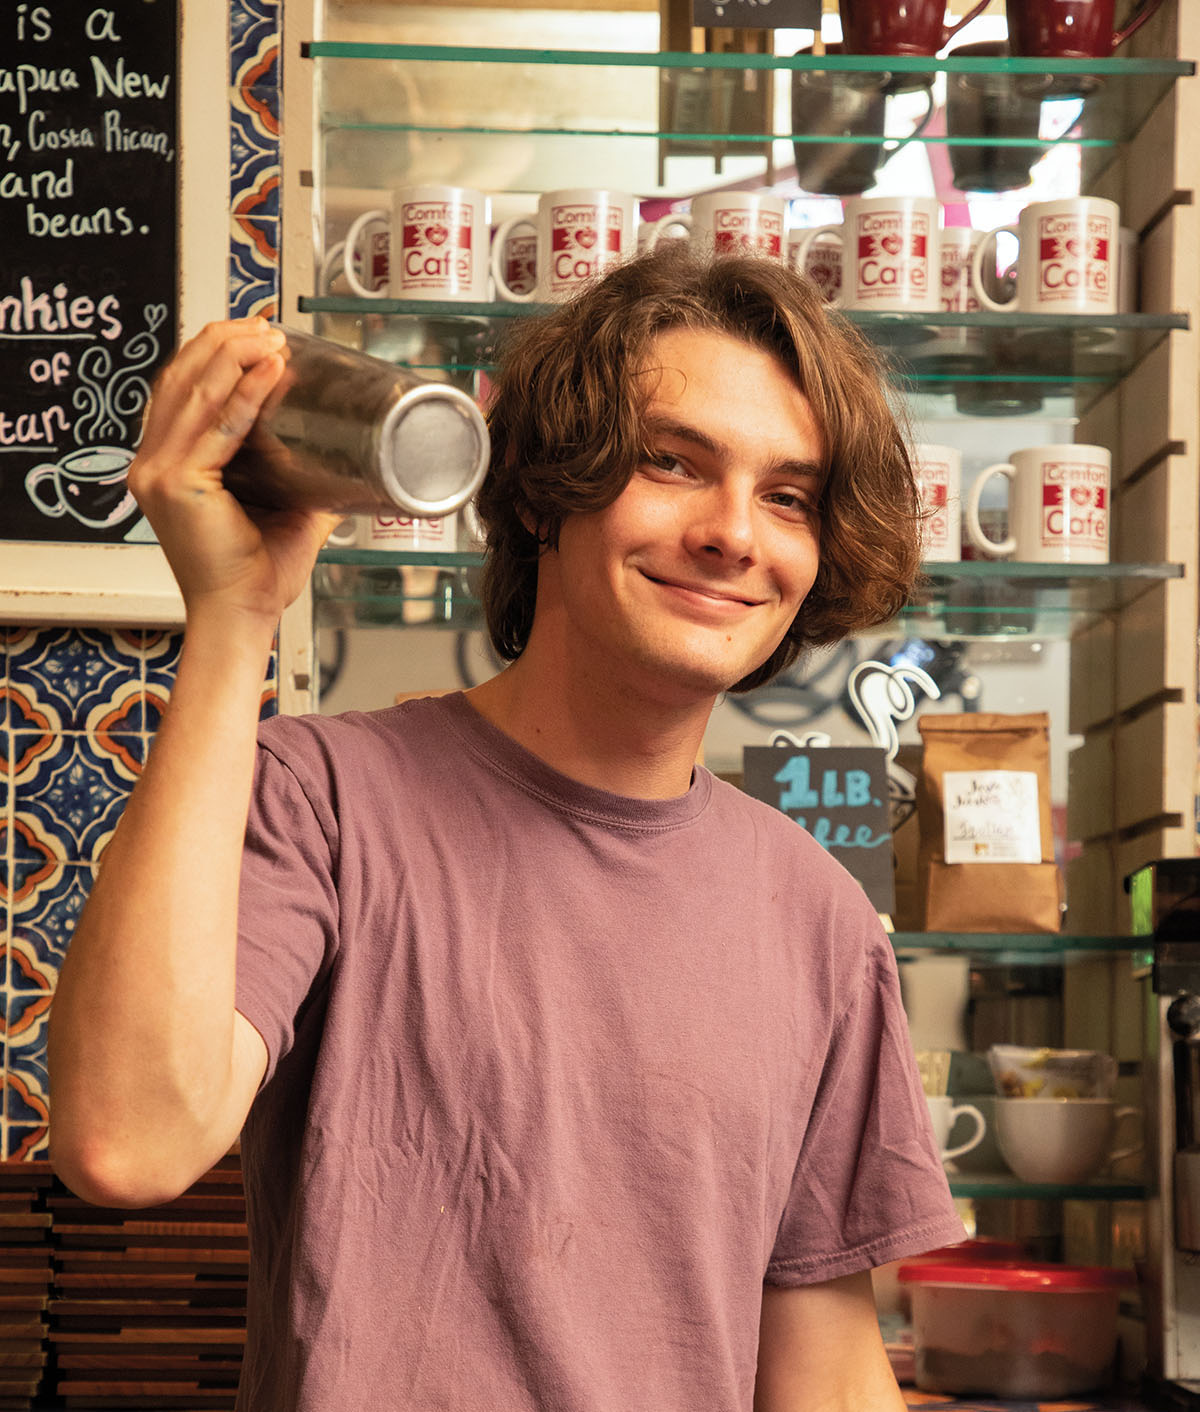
[88, 484]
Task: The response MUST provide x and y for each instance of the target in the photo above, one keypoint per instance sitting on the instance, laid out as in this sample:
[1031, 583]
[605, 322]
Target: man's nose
[722, 524]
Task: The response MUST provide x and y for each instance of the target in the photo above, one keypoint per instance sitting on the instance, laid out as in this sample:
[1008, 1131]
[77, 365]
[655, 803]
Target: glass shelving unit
[1012, 949]
[436, 95]
[974, 599]
[1004, 1187]
[992, 364]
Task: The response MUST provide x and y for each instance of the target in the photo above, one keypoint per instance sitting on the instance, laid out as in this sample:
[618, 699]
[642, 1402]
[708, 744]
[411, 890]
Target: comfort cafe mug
[730, 223]
[1057, 505]
[437, 245]
[1067, 262]
[581, 232]
[890, 255]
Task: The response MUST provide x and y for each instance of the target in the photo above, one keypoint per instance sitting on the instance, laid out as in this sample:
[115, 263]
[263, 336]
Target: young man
[572, 1079]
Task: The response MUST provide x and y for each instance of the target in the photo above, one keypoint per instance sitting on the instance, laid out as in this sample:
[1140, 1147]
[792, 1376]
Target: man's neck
[596, 732]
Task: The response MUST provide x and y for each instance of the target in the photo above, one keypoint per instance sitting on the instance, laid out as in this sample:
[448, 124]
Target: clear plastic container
[1016, 1330]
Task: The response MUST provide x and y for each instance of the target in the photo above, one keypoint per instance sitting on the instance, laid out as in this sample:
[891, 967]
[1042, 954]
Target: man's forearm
[141, 1043]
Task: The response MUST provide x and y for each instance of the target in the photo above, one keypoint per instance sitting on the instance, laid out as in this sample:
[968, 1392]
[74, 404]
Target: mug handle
[975, 534]
[983, 248]
[805, 243]
[969, 16]
[975, 1139]
[1121, 1152]
[33, 480]
[672, 218]
[503, 231]
[893, 144]
[1137, 20]
[353, 235]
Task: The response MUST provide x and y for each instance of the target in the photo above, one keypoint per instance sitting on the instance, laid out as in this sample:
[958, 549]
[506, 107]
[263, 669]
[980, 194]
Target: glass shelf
[992, 364]
[662, 124]
[1004, 1187]
[975, 599]
[1118, 93]
[1005, 599]
[378, 588]
[1011, 949]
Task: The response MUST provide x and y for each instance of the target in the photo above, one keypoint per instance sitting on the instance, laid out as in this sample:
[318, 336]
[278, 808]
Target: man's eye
[796, 501]
[671, 464]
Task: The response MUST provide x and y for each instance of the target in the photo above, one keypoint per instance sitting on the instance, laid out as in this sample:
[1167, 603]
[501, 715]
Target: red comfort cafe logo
[579, 248]
[892, 255]
[1072, 258]
[1074, 504]
[436, 251]
[747, 232]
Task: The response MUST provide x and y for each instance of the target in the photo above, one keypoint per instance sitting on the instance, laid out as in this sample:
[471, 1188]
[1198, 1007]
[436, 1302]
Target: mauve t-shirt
[557, 1078]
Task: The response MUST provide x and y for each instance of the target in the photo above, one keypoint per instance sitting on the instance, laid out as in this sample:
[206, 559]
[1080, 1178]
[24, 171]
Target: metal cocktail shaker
[348, 432]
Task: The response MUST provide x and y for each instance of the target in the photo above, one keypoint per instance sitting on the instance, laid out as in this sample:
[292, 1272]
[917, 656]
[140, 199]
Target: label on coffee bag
[991, 816]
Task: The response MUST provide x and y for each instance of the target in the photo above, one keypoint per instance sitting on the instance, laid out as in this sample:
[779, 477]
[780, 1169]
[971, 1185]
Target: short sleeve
[287, 905]
[869, 1185]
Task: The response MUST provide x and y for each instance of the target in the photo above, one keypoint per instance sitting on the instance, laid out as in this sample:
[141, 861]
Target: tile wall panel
[79, 706]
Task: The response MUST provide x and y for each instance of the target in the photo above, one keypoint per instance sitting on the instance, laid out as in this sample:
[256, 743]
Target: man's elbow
[102, 1176]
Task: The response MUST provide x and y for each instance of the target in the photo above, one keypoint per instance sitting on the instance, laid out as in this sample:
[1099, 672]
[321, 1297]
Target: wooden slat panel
[1149, 173]
[1142, 528]
[1156, 645]
[1156, 765]
[1092, 687]
[1090, 810]
[1092, 899]
[1148, 396]
[1100, 424]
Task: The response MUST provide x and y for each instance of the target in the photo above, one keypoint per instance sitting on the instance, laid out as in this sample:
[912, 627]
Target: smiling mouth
[706, 591]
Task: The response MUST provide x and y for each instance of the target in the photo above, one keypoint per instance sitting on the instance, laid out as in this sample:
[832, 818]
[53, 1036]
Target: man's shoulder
[780, 833]
[311, 738]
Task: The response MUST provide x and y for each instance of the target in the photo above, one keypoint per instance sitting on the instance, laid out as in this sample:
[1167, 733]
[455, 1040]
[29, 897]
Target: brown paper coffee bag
[986, 854]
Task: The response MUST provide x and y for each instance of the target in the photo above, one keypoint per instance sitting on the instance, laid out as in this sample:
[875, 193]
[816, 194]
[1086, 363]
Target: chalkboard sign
[840, 795]
[757, 14]
[88, 209]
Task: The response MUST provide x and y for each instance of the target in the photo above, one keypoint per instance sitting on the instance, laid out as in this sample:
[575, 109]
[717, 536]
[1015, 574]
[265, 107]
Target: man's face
[691, 578]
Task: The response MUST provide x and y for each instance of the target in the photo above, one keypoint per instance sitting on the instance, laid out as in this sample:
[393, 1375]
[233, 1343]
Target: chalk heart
[155, 315]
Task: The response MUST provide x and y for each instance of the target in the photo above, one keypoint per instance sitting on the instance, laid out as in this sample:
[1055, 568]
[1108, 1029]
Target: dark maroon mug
[1070, 29]
[885, 27]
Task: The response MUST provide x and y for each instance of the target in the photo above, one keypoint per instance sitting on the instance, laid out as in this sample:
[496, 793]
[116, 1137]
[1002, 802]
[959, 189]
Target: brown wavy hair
[567, 424]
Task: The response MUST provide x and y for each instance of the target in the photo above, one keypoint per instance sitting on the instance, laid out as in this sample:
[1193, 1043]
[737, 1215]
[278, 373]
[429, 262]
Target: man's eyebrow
[683, 431]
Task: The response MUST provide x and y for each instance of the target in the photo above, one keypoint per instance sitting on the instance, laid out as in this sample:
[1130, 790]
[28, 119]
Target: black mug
[987, 106]
[841, 105]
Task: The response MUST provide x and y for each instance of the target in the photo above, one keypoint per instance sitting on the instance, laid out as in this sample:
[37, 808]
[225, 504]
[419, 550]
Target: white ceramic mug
[395, 532]
[1068, 258]
[943, 1114]
[581, 232]
[890, 253]
[514, 255]
[437, 245]
[822, 261]
[956, 249]
[730, 223]
[1059, 1140]
[938, 471]
[1057, 505]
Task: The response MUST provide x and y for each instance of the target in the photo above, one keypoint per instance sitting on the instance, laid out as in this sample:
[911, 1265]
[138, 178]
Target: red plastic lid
[1012, 1274]
[977, 1248]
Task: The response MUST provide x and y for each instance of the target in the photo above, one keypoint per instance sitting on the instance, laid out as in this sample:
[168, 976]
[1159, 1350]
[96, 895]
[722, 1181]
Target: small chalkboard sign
[757, 14]
[840, 795]
[88, 208]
